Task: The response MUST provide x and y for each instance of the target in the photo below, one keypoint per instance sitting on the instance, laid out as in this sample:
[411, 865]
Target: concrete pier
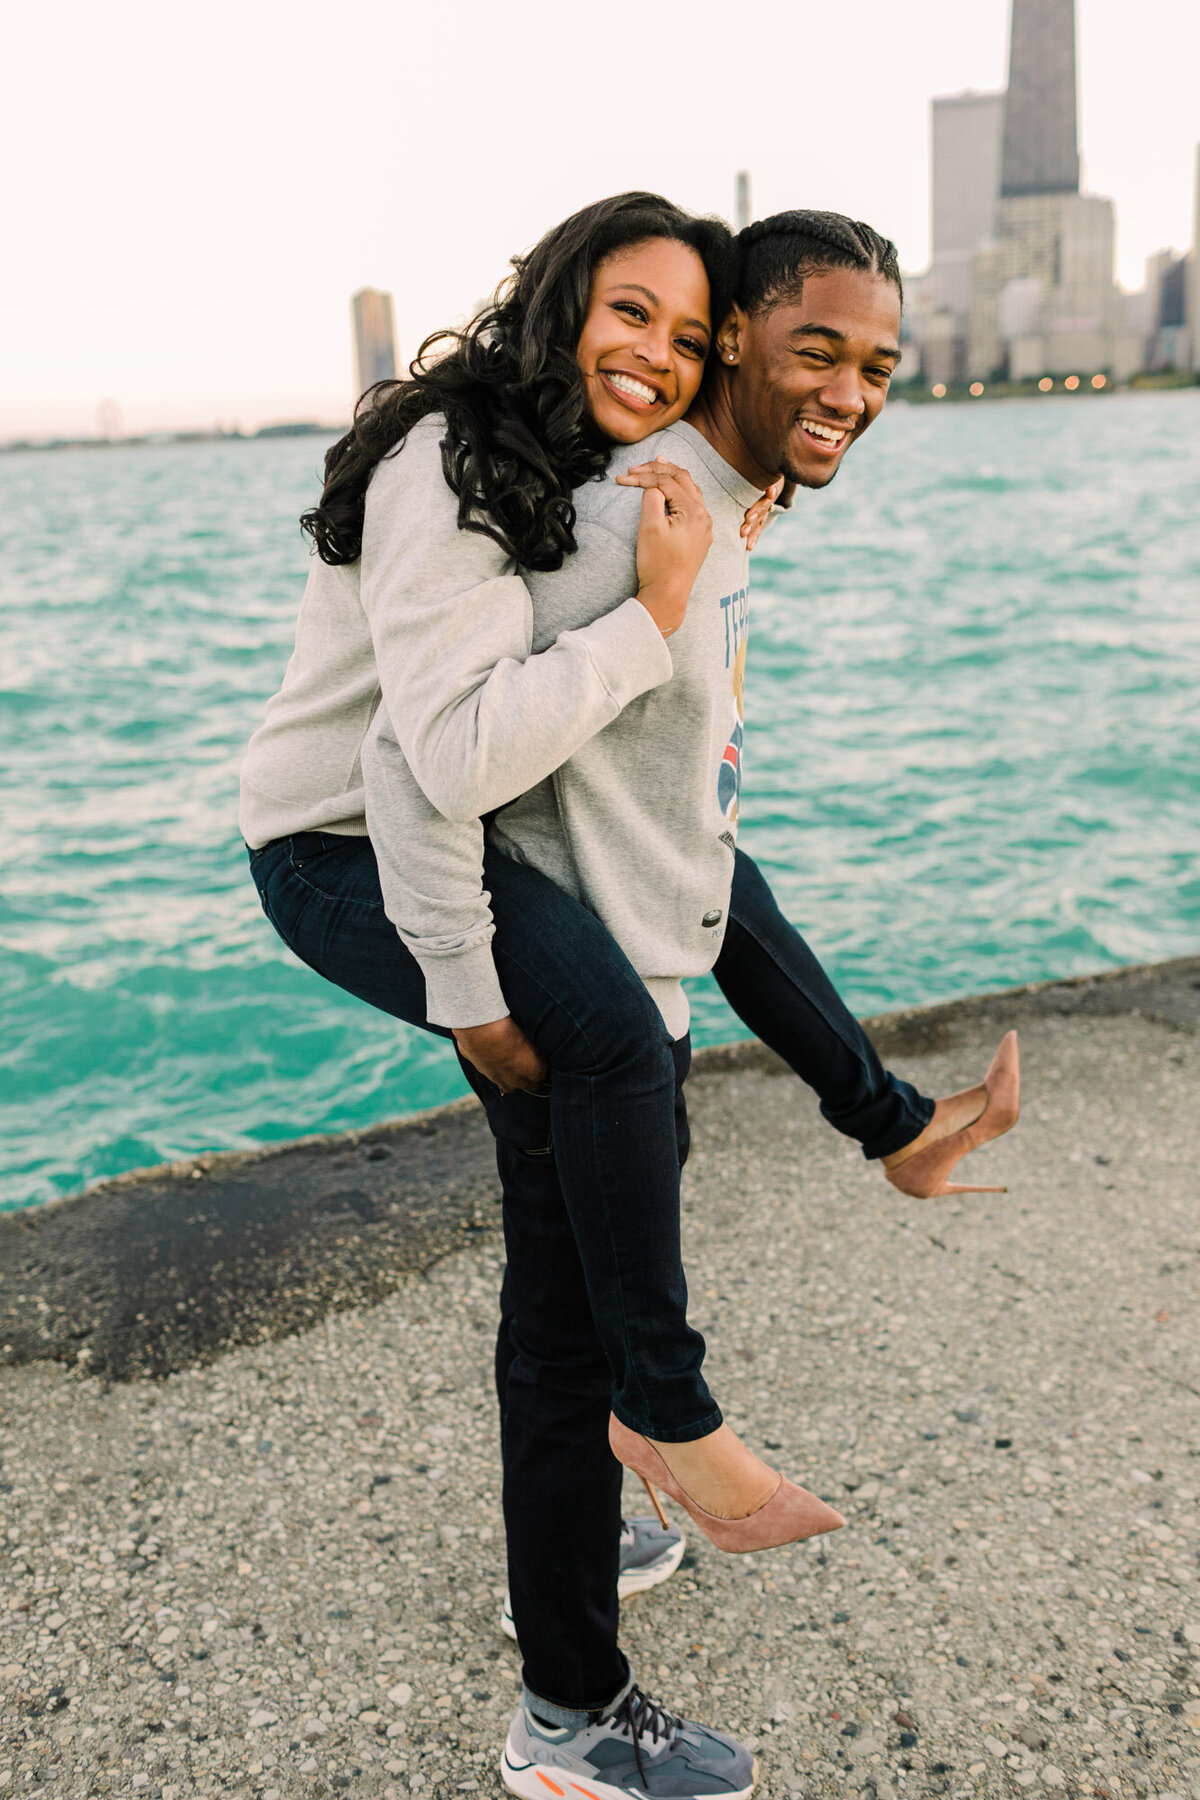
[276, 1571]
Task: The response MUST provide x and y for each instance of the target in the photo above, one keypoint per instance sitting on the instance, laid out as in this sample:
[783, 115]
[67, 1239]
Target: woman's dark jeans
[593, 1310]
[612, 1106]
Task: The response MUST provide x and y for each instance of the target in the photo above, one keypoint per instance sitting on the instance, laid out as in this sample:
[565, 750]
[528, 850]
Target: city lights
[976, 388]
[1045, 384]
[1071, 383]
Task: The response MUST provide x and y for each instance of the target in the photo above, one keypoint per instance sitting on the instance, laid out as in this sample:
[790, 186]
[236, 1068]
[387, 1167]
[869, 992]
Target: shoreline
[278, 1574]
[161, 1269]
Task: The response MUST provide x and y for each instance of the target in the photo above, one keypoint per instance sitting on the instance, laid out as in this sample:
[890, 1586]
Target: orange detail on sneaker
[552, 1785]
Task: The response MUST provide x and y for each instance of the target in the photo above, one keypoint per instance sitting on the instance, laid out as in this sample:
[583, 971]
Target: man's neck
[711, 414]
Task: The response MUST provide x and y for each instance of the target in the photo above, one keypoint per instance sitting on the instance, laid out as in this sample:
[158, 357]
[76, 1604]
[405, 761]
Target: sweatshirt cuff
[463, 989]
[628, 651]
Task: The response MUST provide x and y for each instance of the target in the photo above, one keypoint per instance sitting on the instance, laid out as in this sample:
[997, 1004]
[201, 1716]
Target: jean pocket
[307, 846]
[522, 1119]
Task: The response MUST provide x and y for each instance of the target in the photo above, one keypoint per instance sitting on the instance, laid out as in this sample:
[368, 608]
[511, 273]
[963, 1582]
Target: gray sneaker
[648, 1555]
[638, 1751]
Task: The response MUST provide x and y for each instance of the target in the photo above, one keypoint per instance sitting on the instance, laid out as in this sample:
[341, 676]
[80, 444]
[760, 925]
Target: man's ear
[730, 335]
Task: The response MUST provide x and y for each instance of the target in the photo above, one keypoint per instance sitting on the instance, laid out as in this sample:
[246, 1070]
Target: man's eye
[817, 356]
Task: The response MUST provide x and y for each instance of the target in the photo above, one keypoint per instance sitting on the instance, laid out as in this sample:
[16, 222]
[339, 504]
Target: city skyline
[162, 222]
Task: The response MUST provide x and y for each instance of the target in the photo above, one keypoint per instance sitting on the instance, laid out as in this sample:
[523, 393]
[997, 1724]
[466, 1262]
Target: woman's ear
[729, 336]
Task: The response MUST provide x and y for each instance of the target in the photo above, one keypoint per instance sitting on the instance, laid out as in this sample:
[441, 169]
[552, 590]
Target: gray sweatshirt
[431, 684]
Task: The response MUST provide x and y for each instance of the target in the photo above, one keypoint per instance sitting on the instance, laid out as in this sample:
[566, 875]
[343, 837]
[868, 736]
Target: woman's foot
[960, 1124]
[737, 1501]
[952, 1114]
[721, 1474]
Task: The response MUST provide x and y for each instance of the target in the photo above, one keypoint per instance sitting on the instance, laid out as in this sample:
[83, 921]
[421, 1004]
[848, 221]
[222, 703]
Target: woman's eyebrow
[635, 287]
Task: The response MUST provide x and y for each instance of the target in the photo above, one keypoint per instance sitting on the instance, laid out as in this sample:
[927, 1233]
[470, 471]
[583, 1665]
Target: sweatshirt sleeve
[478, 717]
[431, 873]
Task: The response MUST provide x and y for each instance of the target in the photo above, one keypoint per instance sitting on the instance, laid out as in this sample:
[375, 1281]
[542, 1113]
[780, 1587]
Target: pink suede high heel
[923, 1175]
[790, 1514]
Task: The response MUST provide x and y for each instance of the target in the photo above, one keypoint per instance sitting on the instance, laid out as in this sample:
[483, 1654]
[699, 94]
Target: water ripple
[973, 758]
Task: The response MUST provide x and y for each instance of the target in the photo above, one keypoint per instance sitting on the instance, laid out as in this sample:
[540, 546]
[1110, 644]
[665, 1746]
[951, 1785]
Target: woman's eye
[692, 347]
[632, 308]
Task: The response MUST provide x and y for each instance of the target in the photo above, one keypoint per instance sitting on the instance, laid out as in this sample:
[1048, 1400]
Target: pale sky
[193, 192]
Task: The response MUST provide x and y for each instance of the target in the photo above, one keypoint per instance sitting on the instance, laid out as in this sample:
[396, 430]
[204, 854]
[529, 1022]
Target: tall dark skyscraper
[1041, 153]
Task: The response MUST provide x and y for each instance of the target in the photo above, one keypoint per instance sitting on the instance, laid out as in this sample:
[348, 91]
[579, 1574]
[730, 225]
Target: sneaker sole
[535, 1781]
[636, 1582]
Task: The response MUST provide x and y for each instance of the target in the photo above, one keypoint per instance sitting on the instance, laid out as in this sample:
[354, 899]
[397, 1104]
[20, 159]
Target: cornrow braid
[777, 255]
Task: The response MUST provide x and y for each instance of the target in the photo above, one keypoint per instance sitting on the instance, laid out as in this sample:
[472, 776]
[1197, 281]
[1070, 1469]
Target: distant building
[1041, 153]
[742, 213]
[965, 168]
[965, 131]
[374, 338]
[1193, 277]
[1164, 311]
[1043, 298]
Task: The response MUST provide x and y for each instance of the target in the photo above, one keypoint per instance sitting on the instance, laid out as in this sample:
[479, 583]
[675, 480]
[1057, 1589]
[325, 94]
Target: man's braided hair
[777, 255]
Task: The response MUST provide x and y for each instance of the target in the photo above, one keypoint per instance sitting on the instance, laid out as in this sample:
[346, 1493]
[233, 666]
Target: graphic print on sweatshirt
[736, 611]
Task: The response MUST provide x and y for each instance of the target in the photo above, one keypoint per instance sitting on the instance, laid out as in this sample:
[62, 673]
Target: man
[801, 370]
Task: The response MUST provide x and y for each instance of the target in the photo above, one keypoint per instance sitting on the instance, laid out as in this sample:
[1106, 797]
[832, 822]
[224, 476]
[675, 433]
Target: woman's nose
[655, 348]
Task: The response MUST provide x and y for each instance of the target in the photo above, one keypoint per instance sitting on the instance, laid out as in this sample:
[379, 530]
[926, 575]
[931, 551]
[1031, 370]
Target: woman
[524, 423]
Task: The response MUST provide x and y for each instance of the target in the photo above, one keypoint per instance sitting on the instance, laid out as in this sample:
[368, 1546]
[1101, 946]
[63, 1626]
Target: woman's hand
[755, 522]
[503, 1053]
[673, 540]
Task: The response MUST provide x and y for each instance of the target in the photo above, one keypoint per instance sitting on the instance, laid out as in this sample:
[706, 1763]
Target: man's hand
[503, 1053]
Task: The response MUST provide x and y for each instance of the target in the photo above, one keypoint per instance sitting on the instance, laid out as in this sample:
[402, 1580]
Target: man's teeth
[638, 389]
[833, 434]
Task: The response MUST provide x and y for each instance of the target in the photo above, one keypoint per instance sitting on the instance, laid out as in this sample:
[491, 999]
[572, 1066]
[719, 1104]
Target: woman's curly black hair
[518, 439]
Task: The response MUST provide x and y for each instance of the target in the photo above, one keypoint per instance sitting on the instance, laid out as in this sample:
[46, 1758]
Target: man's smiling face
[813, 373]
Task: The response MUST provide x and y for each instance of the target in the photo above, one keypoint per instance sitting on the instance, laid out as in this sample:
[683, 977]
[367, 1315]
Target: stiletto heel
[923, 1175]
[790, 1514]
[655, 1502]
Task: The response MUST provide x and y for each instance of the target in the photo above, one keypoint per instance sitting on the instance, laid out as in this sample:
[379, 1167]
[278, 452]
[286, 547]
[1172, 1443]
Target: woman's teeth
[830, 434]
[637, 390]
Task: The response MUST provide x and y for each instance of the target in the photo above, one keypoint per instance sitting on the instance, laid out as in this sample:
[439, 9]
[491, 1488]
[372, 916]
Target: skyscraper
[1041, 154]
[374, 338]
[741, 210]
[966, 130]
[1043, 297]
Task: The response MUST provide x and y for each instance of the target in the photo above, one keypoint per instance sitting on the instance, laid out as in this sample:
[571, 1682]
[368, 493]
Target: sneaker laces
[640, 1717]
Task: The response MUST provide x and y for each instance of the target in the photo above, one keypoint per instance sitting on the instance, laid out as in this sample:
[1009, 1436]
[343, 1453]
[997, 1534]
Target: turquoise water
[973, 758]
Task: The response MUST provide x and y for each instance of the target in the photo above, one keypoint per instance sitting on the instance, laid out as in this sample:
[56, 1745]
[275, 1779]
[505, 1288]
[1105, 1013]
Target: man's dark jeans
[594, 1301]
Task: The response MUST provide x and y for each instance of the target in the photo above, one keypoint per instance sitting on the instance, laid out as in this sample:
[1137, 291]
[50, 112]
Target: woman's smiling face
[645, 338]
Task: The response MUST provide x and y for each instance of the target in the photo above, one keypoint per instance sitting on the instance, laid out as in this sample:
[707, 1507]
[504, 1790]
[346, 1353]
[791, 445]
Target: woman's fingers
[675, 485]
[755, 521]
[754, 524]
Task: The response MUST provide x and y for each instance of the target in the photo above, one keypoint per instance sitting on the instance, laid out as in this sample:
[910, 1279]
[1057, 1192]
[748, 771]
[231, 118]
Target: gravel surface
[279, 1575]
